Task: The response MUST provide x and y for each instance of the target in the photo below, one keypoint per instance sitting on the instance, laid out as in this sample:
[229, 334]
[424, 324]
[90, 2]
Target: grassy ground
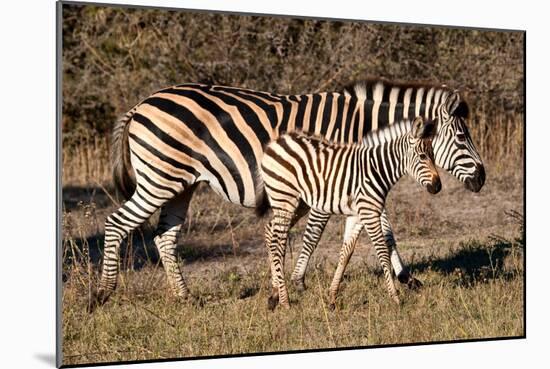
[466, 248]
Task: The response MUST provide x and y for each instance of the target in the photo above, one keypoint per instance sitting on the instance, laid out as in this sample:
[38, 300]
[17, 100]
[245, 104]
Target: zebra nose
[477, 181]
[481, 175]
[434, 187]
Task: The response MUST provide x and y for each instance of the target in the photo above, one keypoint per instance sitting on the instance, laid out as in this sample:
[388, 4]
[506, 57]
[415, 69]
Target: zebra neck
[345, 118]
[384, 165]
[392, 101]
[325, 114]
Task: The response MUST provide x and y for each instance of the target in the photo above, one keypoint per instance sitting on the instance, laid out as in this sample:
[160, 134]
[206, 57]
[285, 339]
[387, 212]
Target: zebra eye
[461, 137]
[423, 157]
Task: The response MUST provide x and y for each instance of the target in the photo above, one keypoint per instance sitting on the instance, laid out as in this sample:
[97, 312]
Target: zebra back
[195, 132]
[327, 175]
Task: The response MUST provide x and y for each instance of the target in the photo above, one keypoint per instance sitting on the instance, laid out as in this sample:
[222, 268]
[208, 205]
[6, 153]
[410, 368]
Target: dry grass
[85, 160]
[146, 323]
[498, 138]
[473, 281]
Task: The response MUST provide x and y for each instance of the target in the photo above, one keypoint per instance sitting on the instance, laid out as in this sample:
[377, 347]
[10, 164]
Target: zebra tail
[262, 202]
[123, 177]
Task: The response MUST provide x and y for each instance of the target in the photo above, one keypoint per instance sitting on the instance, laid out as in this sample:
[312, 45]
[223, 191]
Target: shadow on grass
[135, 254]
[141, 251]
[74, 196]
[474, 261]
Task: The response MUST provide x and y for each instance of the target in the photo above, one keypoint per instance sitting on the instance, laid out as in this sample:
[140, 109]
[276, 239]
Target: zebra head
[420, 155]
[453, 147]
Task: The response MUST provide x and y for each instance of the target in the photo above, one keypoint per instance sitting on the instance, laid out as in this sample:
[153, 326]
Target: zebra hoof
[332, 306]
[97, 299]
[414, 284]
[411, 282]
[196, 301]
[404, 277]
[272, 302]
[299, 285]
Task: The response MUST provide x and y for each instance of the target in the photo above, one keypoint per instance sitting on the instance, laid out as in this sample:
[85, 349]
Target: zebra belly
[249, 201]
[342, 206]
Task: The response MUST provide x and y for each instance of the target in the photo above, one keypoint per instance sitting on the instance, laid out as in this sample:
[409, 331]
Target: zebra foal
[336, 178]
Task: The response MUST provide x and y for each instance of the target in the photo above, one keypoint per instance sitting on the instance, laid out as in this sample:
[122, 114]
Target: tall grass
[85, 159]
[499, 139]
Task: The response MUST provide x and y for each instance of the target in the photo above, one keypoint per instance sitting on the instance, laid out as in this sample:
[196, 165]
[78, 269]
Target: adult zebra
[186, 134]
[453, 147]
[348, 179]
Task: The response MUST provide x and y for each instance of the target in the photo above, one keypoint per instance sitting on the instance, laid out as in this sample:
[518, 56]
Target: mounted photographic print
[237, 184]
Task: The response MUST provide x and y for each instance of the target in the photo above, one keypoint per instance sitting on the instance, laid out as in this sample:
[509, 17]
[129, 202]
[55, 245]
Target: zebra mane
[379, 89]
[371, 139]
[387, 134]
[359, 88]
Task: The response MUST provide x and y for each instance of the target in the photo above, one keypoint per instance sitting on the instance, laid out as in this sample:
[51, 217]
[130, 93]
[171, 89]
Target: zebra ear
[428, 130]
[462, 110]
[417, 127]
[452, 102]
[456, 106]
[423, 129]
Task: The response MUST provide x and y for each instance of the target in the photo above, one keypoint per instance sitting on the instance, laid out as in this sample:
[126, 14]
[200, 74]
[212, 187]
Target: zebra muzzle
[476, 182]
[434, 187]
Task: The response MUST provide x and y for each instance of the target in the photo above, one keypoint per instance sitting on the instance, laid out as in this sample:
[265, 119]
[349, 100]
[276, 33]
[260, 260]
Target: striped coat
[186, 134]
[347, 179]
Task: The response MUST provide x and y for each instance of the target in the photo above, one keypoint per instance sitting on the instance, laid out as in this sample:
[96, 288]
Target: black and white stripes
[192, 133]
[453, 148]
[347, 179]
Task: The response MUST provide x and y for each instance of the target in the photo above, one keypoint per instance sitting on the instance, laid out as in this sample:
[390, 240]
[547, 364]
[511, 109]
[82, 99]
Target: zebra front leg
[279, 227]
[371, 219]
[351, 235]
[300, 211]
[172, 216]
[118, 225]
[401, 271]
[316, 223]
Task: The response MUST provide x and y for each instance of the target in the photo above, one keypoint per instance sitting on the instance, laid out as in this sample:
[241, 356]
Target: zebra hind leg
[316, 223]
[172, 216]
[117, 227]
